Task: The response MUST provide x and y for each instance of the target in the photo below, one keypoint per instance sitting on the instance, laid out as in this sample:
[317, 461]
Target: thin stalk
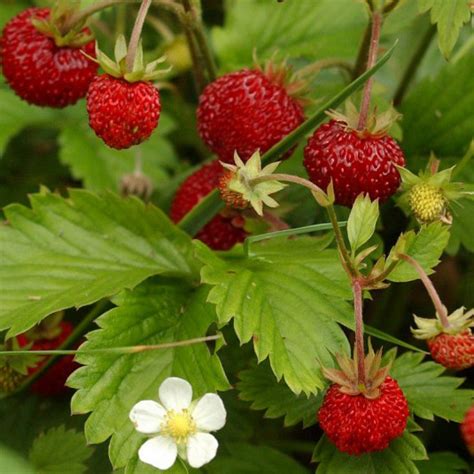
[464, 160]
[371, 281]
[136, 34]
[95, 7]
[373, 50]
[361, 61]
[166, 33]
[359, 331]
[202, 42]
[413, 65]
[437, 303]
[197, 61]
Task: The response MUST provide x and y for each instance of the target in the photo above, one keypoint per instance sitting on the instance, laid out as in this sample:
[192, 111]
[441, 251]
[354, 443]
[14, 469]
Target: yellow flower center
[179, 425]
[426, 202]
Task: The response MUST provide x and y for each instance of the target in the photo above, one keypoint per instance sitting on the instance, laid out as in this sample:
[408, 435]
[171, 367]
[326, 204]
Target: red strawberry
[453, 351]
[122, 113]
[357, 162]
[246, 111]
[52, 382]
[357, 425]
[220, 233]
[38, 70]
[467, 430]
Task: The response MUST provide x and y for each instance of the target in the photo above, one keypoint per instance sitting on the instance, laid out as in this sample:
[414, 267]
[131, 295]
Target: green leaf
[362, 221]
[58, 451]
[437, 114]
[399, 457]
[259, 386]
[442, 463]
[101, 167]
[251, 459]
[428, 391]
[73, 252]
[425, 247]
[13, 463]
[449, 16]
[16, 115]
[275, 297]
[109, 385]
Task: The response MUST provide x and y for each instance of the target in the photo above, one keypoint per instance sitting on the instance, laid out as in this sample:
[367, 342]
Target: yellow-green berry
[10, 379]
[427, 202]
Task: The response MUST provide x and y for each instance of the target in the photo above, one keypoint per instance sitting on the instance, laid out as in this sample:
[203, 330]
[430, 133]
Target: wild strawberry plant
[246, 247]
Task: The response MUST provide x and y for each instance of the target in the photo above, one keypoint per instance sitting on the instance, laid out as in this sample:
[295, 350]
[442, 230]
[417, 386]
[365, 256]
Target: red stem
[373, 50]
[136, 33]
[359, 330]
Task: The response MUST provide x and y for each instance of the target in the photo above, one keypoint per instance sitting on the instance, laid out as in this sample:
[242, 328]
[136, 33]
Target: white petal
[160, 452]
[209, 413]
[176, 394]
[201, 449]
[147, 416]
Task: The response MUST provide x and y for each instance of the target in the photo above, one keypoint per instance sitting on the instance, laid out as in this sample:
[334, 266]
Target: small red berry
[246, 111]
[356, 162]
[220, 233]
[467, 430]
[38, 70]
[453, 351]
[122, 113]
[357, 425]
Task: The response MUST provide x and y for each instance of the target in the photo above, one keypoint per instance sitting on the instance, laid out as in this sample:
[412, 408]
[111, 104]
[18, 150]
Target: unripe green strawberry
[427, 202]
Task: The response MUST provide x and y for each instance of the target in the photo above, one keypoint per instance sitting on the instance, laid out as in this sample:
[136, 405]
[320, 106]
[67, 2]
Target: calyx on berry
[242, 185]
[49, 328]
[428, 194]
[459, 321]
[348, 379]
[56, 26]
[141, 71]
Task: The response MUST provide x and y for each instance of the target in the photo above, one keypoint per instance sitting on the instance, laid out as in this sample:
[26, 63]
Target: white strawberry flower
[178, 426]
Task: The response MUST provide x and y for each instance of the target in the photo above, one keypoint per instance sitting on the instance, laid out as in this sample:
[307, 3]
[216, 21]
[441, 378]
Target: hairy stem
[413, 65]
[136, 34]
[373, 50]
[359, 331]
[95, 7]
[361, 61]
[437, 303]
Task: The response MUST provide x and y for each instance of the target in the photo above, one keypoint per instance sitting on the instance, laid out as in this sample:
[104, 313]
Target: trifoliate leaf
[260, 387]
[399, 457]
[12, 462]
[109, 385]
[428, 391]
[287, 302]
[362, 221]
[59, 451]
[442, 463]
[449, 16]
[73, 252]
[251, 459]
[437, 114]
[425, 247]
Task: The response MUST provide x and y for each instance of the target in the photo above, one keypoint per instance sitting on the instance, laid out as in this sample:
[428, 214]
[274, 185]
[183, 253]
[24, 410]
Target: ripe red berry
[356, 162]
[122, 113]
[220, 233]
[467, 430]
[52, 381]
[39, 71]
[245, 111]
[453, 351]
[357, 425]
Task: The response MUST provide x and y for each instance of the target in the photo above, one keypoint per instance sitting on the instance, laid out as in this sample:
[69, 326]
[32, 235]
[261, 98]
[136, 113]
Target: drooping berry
[357, 425]
[454, 352]
[122, 113]
[246, 111]
[467, 430]
[356, 162]
[39, 71]
[225, 229]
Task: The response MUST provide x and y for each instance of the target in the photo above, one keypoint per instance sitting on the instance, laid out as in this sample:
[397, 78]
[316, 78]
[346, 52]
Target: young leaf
[259, 386]
[449, 15]
[425, 247]
[442, 463]
[428, 391]
[58, 451]
[399, 457]
[275, 298]
[109, 385]
[251, 459]
[362, 221]
[73, 252]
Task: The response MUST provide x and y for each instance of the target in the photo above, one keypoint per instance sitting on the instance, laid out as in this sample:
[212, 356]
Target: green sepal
[19, 363]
